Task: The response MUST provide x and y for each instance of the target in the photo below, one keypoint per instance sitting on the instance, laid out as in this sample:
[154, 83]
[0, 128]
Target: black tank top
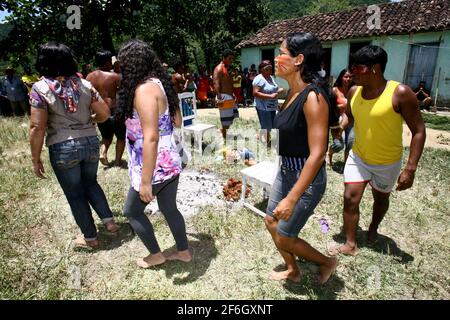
[292, 126]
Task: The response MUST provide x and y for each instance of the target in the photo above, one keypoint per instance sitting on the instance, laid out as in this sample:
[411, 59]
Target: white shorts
[381, 177]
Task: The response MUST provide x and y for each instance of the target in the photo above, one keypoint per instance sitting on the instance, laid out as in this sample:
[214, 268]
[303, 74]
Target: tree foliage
[177, 29]
[286, 9]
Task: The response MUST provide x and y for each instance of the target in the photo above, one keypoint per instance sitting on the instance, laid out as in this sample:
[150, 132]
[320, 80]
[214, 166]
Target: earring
[373, 71]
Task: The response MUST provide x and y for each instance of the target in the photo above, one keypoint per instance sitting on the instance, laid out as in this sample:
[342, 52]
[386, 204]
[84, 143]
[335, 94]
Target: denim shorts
[305, 206]
[266, 119]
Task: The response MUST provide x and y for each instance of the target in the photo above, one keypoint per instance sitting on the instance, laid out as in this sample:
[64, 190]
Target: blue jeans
[304, 208]
[75, 163]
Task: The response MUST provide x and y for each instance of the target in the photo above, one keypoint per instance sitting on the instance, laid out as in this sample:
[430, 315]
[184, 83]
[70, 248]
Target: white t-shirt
[266, 87]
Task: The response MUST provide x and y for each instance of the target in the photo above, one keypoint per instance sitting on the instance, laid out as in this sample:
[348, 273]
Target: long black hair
[55, 59]
[138, 63]
[338, 82]
[309, 46]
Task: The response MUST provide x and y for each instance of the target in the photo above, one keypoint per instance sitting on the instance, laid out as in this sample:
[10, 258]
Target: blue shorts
[266, 119]
[304, 208]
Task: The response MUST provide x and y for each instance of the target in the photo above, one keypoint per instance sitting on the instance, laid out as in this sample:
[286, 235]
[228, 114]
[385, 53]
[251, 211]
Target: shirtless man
[107, 84]
[223, 86]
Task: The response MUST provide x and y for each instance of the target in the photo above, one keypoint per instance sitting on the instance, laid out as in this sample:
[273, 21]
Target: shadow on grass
[122, 165]
[309, 284]
[338, 167]
[384, 245]
[111, 241]
[204, 252]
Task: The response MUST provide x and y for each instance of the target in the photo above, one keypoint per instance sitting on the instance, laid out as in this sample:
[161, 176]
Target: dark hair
[263, 64]
[227, 53]
[138, 63]
[102, 57]
[338, 82]
[309, 46]
[369, 56]
[55, 59]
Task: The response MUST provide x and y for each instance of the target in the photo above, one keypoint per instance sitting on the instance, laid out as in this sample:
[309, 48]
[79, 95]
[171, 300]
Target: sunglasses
[359, 69]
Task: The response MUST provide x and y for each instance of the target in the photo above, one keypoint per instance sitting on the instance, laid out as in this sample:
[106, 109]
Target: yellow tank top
[378, 128]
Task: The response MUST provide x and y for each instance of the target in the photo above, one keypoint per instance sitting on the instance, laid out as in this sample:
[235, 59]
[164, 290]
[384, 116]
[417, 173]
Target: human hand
[284, 209]
[38, 169]
[146, 192]
[405, 180]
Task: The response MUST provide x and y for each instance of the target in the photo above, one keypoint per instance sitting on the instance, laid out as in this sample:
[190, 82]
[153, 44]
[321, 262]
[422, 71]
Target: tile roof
[396, 18]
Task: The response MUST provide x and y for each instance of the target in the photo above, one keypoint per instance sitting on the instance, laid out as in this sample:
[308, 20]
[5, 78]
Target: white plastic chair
[262, 174]
[188, 107]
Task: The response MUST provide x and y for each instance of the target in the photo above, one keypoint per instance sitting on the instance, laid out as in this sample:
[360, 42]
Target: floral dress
[168, 161]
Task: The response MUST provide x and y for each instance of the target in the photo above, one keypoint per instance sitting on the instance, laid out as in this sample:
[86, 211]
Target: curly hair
[138, 63]
[309, 46]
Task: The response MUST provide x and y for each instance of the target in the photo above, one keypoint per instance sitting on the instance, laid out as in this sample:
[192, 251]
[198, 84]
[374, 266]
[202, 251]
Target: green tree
[35, 22]
[286, 9]
[175, 28]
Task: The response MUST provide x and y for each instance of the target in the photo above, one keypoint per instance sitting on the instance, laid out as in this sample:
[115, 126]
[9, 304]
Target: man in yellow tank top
[377, 107]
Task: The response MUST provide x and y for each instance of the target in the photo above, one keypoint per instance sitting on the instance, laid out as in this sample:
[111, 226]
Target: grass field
[436, 122]
[233, 253]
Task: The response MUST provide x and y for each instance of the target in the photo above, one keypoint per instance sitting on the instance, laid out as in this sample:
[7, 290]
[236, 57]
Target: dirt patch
[195, 190]
[435, 138]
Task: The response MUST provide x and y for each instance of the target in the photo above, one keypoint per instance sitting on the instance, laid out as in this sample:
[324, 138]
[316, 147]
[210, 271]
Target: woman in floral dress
[149, 105]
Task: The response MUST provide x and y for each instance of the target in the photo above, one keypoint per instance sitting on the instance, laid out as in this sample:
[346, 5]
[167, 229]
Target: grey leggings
[166, 194]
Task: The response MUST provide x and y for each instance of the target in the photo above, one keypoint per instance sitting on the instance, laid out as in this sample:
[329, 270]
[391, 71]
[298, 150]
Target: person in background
[237, 85]
[303, 123]
[149, 103]
[86, 69]
[266, 91]
[340, 88]
[189, 85]
[251, 75]
[16, 91]
[203, 86]
[115, 64]
[29, 78]
[423, 96]
[223, 87]
[178, 78]
[107, 84]
[322, 72]
[67, 108]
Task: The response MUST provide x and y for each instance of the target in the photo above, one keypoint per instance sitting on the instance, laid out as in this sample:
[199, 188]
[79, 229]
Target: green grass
[436, 122]
[233, 251]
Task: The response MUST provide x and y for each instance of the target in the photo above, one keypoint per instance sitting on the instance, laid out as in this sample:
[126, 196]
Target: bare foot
[283, 275]
[185, 255]
[82, 243]
[151, 260]
[111, 226]
[345, 249]
[103, 155]
[327, 270]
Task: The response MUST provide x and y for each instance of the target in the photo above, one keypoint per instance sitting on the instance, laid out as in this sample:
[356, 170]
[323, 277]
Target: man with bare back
[107, 84]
